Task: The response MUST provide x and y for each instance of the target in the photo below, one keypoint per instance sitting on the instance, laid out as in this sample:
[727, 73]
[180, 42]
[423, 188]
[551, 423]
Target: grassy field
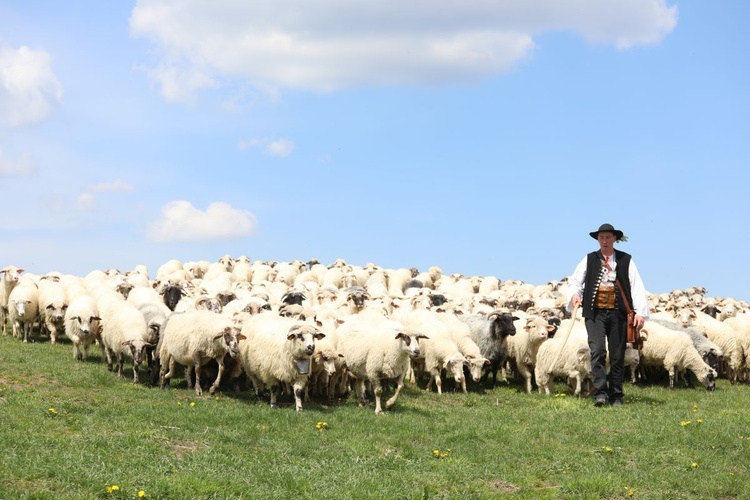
[74, 430]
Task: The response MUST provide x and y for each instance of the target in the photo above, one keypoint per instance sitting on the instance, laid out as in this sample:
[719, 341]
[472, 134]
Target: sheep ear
[127, 342]
[487, 362]
[218, 336]
[423, 337]
[241, 337]
[319, 336]
[405, 337]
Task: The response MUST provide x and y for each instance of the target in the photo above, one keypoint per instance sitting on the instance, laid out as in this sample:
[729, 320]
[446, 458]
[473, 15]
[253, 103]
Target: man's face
[606, 241]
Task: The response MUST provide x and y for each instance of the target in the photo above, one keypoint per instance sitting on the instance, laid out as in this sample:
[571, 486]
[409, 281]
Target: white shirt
[637, 290]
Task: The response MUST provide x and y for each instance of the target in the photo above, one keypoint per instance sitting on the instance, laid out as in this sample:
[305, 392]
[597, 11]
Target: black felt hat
[607, 228]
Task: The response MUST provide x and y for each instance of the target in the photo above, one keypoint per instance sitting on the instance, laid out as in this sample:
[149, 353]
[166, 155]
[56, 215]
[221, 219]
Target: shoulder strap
[624, 297]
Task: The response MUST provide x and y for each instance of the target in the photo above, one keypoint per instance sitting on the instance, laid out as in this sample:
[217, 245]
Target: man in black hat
[594, 286]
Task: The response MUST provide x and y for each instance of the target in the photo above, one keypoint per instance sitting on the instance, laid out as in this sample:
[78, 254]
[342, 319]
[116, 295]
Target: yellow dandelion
[192, 403]
[685, 423]
[179, 403]
[217, 398]
[700, 420]
[694, 465]
[695, 408]
[109, 489]
[630, 493]
[436, 453]
[115, 487]
[141, 494]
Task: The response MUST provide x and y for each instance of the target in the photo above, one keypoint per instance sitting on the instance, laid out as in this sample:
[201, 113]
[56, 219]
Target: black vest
[594, 273]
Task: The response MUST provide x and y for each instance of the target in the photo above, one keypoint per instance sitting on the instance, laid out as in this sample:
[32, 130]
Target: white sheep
[9, 276]
[571, 360]
[82, 325]
[726, 338]
[438, 348]
[278, 350]
[194, 338]
[23, 308]
[52, 305]
[523, 346]
[673, 350]
[124, 331]
[375, 352]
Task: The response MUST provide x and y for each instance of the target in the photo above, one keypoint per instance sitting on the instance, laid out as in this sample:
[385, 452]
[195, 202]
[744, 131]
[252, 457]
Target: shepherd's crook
[567, 334]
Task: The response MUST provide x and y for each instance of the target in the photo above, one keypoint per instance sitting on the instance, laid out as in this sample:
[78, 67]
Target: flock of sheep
[318, 330]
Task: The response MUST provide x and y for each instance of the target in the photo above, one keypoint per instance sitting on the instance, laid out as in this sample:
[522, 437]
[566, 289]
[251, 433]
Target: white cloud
[86, 202]
[24, 166]
[29, 90]
[336, 44]
[278, 147]
[282, 147]
[182, 222]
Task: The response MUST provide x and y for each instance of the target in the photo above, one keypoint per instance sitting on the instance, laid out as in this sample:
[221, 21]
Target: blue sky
[486, 137]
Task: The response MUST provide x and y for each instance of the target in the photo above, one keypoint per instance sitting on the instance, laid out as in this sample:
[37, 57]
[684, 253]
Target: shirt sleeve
[638, 291]
[575, 283]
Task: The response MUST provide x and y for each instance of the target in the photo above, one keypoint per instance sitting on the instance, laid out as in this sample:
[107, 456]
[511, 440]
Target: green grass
[71, 430]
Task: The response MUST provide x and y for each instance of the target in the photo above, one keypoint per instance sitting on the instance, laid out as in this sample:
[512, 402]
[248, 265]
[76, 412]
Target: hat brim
[618, 234]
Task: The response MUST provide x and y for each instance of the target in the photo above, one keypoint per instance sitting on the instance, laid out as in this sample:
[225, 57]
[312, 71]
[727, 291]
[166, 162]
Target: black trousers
[607, 328]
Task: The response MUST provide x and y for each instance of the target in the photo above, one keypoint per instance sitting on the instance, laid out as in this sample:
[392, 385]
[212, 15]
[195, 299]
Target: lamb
[674, 350]
[439, 349]
[52, 305]
[461, 335]
[375, 352]
[278, 350]
[124, 330]
[82, 325]
[155, 317]
[9, 275]
[709, 350]
[194, 338]
[726, 338]
[23, 308]
[491, 334]
[523, 346]
[573, 362]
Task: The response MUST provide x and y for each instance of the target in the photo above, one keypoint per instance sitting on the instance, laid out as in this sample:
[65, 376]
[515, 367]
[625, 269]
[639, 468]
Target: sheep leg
[359, 385]
[119, 364]
[274, 394]
[377, 389]
[135, 371]
[577, 376]
[299, 391]
[167, 371]
[76, 351]
[216, 383]
[198, 389]
[109, 354]
[671, 378]
[53, 334]
[399, 388]
[438, 381]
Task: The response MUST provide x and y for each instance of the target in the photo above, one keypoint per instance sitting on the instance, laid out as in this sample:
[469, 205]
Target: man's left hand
[639, 322]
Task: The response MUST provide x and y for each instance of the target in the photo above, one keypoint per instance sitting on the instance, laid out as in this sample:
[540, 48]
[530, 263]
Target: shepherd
[604, 284]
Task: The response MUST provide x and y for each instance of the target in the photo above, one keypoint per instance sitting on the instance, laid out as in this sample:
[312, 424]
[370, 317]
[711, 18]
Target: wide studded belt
[605, 297]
